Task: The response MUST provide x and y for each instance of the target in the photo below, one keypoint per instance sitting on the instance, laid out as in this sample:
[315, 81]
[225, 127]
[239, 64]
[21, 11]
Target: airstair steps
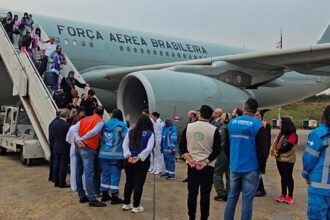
[29, 86]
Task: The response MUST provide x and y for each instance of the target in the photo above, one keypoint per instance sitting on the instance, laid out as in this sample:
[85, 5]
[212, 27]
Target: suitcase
[49, 78]
[60, 99]
[42, 65]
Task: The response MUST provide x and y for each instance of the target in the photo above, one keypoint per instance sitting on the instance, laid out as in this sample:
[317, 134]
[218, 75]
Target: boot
[115, 199]
[105, 197]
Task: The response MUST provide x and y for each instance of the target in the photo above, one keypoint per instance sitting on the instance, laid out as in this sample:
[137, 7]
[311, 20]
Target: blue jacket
[169, 138]
[243, 150]
[114, 132]
[316, 160]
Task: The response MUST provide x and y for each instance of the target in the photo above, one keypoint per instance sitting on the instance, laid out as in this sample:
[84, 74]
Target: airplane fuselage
[93, 47]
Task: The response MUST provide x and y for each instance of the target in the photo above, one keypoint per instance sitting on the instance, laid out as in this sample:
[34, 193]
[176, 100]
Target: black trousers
[287, 183]
[51, 166]
[199, 180]
[135, 178]
[60, 169]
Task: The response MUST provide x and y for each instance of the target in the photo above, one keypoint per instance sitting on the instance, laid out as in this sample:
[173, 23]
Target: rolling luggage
[60, 99]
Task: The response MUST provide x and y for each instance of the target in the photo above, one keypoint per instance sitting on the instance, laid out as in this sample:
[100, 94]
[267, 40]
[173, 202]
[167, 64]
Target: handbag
[288, 157]
[74, 92]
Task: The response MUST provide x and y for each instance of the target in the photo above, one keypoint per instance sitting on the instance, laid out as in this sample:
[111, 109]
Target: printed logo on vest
[198, 136]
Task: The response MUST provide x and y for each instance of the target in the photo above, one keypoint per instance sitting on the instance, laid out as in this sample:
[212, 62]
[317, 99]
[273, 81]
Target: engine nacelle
[174, 93]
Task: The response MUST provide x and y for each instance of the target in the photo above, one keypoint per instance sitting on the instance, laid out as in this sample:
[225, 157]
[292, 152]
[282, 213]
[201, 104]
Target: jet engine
[172, 93]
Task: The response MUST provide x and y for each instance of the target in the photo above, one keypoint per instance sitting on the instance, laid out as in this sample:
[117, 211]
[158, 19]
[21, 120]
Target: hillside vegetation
[310, 108]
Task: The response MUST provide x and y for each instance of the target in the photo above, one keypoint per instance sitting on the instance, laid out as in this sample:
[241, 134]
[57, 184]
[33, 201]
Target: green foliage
[299, 111]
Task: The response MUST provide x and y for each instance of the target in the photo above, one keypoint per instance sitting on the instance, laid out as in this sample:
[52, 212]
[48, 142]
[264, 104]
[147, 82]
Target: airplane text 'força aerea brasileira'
[130, 39]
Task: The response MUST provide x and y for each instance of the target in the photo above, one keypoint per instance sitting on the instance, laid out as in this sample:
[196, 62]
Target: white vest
[200, 135]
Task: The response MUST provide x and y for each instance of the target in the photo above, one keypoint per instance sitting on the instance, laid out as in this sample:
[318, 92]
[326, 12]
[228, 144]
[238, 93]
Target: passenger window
[173, 54]
[74, 42]
[190, 56]
[195, 57]
[91, 44]
[66, 42]
[161, 53]
[167, 53]
[142, 51]
[57, 40]
[148, 51]
[200, 57]
[128, 49]
[155, 52]
[179, 55]
[184, 56]
[121, 48]
[83, 43]
[135, 50]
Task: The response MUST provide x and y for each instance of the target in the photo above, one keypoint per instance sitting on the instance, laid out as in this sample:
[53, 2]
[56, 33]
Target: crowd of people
[45, 54]
[98, 151]
[214, 144]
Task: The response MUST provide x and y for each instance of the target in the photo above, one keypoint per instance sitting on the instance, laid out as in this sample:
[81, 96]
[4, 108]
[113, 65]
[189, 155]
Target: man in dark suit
[51, 145]
[61, 150]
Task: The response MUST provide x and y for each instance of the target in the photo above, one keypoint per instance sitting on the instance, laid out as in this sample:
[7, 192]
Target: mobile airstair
[34, 96]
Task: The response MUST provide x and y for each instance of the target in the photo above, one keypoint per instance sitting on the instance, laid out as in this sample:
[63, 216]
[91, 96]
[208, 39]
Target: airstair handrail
[68, 67]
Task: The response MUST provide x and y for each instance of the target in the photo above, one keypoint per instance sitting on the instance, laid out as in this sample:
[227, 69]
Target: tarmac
[27, 194]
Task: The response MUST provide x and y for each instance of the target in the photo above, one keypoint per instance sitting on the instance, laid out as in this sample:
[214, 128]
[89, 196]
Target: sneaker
[164, 175]
[115, 199]
[127, 207]
[157, 172]
[151, 169]
[282, 198]
[260, 193]
[185, 180]
[217, 198]
[289, 200]
[170, 177]
[97, 203]
[138, 209]
[105, 197]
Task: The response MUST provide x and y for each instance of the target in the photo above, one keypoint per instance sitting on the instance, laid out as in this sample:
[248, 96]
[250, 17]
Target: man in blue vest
[316, 164]
[111, 156]
[247, 159]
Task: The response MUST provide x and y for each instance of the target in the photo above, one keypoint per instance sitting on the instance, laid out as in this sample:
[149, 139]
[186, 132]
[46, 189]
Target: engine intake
[172, 93]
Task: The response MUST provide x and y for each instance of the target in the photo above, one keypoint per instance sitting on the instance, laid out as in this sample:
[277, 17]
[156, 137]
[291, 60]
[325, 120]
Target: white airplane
[135, 70]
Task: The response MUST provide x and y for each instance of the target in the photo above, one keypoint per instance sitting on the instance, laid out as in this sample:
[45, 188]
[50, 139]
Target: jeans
[247, 183]
[85, 164]
[203, 180]
[169, 160]
[110, 176]
[135, 178]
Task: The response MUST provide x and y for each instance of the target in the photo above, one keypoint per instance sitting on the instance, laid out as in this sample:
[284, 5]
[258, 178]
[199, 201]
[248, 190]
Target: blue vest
[243, 153]
[114, 132]
[143, 143]
[316, 161]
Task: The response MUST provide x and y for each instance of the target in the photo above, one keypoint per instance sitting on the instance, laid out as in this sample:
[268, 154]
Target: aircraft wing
[246, 70]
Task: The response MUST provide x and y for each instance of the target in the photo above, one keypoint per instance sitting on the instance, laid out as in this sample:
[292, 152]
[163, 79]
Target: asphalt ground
[25, 193]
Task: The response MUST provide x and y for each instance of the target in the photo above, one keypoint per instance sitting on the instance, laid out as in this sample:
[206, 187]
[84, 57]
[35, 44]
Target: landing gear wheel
[21, 158]
[3, 151]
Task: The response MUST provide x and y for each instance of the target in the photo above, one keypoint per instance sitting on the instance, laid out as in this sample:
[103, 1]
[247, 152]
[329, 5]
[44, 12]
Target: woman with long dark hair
[284, 150]
[137, 147]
